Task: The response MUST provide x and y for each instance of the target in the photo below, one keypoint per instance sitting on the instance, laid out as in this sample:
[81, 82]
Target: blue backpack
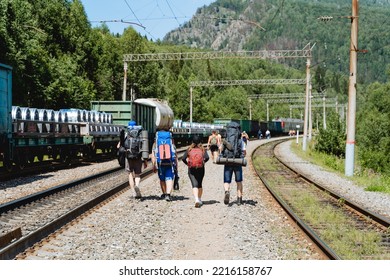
[165, 151]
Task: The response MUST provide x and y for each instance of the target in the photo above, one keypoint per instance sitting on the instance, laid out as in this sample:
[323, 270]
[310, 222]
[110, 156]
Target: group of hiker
[229, 151]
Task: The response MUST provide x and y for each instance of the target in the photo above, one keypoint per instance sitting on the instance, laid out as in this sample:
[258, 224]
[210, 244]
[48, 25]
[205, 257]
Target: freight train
[281, 126]
[32, 134]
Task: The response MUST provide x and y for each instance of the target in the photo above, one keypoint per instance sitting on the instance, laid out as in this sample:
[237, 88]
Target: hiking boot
[168, 197]
[137, 193]
[239, 200]
[227, 196]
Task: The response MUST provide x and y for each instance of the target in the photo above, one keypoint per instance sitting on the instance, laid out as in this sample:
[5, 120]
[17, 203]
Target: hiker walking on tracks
[136, 150]
[195, 157]
[233, 157]
[213, 144]
[164, 161]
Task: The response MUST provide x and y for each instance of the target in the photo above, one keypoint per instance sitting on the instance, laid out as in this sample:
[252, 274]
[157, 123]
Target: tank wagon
[151, 113]
[27, 133]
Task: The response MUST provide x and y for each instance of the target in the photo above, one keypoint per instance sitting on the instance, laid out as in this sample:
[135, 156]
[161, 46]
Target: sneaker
[168, 197]
[198, 204]
[239, 200]
[162, 196]
[227, 196]
[137, 193]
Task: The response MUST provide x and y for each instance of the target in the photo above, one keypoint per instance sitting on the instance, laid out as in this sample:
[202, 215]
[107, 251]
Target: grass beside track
[370, 181]
[328, 219]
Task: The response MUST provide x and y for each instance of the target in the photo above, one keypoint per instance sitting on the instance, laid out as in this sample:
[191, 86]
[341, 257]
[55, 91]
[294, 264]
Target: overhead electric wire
[172, 11]
[277, 12]
[133, 12]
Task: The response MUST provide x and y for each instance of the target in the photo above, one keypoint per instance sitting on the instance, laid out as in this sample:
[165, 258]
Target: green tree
[332, 139]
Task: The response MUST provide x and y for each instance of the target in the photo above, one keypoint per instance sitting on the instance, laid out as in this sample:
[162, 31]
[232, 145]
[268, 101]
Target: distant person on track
[268, 134]
[213, 144]
[195, 157]
[259, 134]
[245, 138]
[133, 163]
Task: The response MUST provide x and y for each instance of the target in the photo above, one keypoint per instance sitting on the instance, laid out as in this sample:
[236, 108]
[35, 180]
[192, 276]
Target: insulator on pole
[325, 18]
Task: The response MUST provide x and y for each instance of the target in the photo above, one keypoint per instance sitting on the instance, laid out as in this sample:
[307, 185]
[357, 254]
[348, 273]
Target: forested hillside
[59, 61]
[280, 24]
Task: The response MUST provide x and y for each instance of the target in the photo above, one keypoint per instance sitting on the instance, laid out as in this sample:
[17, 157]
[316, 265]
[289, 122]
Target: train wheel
[21, 161]
[40, 156]
[31, 158]
[65, 157]
[8, 165]
[55, 155]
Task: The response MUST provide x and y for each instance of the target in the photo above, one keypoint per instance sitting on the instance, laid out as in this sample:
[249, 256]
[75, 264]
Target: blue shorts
[228, 171]
[166, 172]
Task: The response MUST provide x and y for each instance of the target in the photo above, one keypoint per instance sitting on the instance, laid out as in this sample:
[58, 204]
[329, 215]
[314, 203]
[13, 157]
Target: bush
[332, 139]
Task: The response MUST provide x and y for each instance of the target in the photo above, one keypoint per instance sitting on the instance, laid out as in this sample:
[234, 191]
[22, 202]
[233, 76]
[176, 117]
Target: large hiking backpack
[195, 158]
[233, 137]
[213, 140]
[165, 151]
[133, 143]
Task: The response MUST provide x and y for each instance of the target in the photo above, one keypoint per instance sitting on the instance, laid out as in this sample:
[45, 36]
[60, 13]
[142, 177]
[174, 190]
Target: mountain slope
[269, 24]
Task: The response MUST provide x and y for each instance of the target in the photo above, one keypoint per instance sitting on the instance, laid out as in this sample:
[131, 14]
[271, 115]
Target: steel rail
[369, 214]
[23, 243]
[310, 233]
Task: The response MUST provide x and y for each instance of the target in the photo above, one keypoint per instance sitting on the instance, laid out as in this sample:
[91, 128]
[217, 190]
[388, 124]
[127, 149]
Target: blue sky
[157, 17]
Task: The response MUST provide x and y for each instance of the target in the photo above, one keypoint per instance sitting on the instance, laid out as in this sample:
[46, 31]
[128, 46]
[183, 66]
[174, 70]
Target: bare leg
[239, 189]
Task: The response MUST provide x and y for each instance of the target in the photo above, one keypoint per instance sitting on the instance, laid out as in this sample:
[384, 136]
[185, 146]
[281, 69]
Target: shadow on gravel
[244, 202]
[156, 197]
[210, 202]
[179, 197]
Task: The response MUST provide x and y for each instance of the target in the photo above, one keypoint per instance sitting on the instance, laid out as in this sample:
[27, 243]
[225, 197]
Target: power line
[172, 11]
[119, 20]
[133, 13]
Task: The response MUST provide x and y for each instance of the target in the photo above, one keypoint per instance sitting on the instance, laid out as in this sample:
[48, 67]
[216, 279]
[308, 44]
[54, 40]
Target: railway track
[43, 166]
[30, 219]
[342, 229]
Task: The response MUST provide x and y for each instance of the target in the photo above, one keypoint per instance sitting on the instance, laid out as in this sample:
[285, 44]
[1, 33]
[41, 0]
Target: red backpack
[195, 158]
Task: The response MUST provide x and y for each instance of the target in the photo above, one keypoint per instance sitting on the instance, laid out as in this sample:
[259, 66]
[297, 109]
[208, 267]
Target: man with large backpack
[136, 152]
[233, 151]
[164, 161]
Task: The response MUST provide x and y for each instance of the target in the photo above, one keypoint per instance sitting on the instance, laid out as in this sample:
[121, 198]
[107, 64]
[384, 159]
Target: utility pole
[351, 119]
[190, 109]
[250, 109]
[306, 119]
[124, 81]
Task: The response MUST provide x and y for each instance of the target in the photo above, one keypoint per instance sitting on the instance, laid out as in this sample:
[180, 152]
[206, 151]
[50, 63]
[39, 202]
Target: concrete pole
[190, 109]
[250, 109]
[124, 82]
[324, 124]
[306, 118]
[350, 145]
[267, 111]
[310, 114]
